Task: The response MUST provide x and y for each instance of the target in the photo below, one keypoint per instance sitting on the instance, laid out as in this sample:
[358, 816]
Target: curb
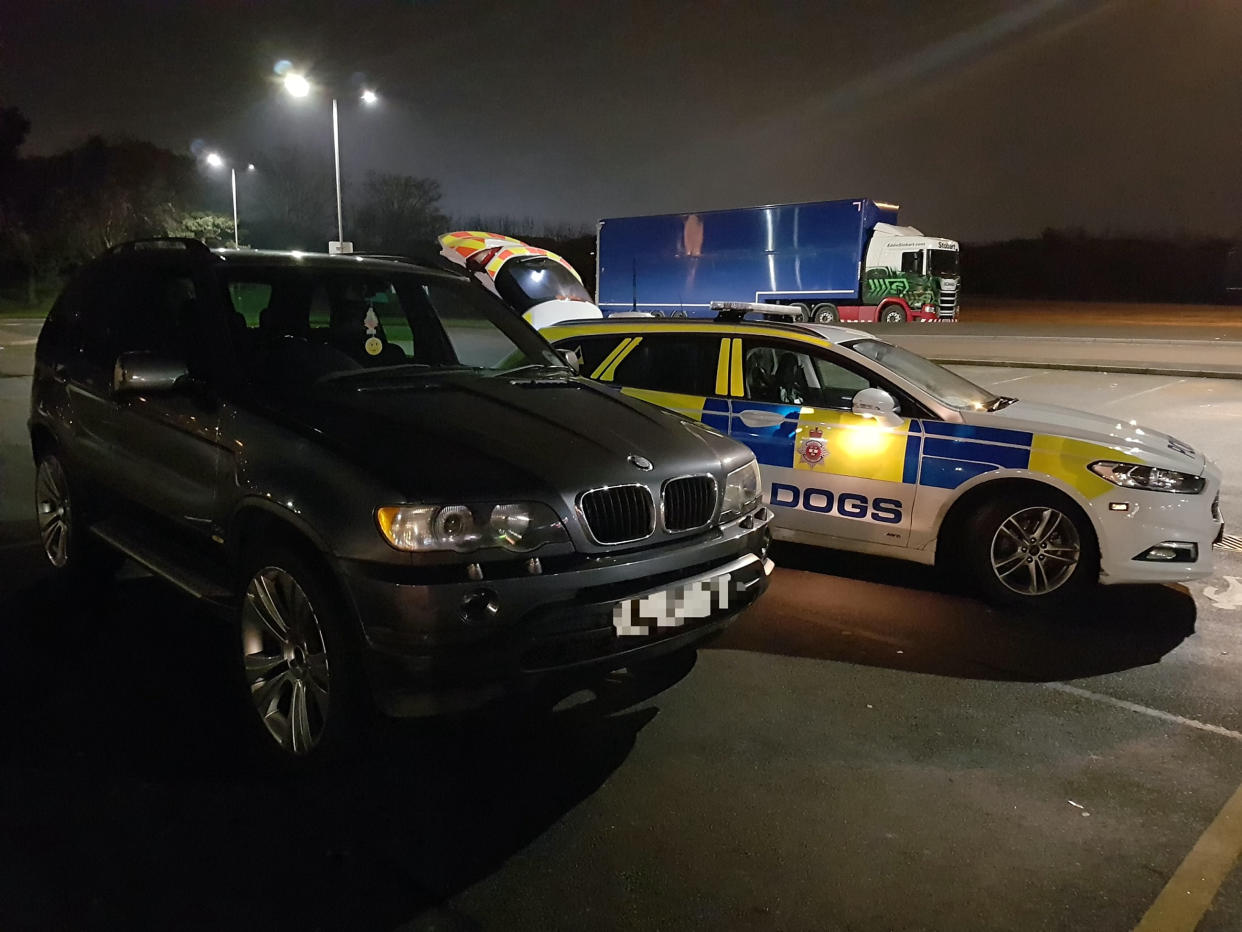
[1093, 367]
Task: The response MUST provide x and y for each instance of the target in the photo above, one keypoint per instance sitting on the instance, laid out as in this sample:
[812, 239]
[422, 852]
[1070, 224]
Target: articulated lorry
[831, 260]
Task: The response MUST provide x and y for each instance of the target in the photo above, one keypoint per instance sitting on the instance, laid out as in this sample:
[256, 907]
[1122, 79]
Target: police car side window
[782, 374]
[839, 385]
[682, 364]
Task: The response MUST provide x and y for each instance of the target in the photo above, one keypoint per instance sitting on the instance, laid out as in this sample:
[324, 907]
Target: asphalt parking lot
[869, 748]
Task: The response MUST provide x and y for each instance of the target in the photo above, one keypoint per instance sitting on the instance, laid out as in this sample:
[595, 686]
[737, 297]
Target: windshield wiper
[536, 367]
[408, 369]
[1000, 402]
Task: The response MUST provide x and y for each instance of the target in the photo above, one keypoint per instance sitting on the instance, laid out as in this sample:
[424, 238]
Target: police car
[866, 446]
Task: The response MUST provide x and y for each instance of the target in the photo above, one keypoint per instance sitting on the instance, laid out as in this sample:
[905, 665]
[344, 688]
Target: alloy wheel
[1036, 550]
[286, 660]
[52, 507]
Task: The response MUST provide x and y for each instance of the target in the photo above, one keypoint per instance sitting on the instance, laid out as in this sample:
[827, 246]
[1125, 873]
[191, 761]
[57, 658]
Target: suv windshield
[527, 282]
[941, 262]
[946, 387]
[295, 326]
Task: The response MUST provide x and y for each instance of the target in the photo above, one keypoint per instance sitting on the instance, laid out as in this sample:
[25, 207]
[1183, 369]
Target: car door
[162, 448]
[827, 471]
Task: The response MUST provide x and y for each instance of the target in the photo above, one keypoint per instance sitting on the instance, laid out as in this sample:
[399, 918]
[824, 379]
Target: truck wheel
[299, 670]
[893, 314]
[804, 312]
[62, 530]
[1030, 548]
[826, 314]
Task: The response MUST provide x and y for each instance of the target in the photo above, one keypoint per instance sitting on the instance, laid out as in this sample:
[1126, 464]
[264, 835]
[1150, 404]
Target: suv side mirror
[878, 404]
[571, 359]
[147, 372]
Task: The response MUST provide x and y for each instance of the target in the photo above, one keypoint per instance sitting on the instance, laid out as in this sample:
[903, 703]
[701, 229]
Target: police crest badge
[811, 449]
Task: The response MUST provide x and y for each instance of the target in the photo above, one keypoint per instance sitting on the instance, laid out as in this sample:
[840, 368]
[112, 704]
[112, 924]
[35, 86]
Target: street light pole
[236, 230]
[336, 157]
[298, 86]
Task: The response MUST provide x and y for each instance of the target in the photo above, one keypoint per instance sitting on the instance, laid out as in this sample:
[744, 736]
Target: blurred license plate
[673, 607]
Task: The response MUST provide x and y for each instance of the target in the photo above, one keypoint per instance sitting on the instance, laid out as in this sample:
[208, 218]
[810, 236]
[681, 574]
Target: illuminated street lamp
[298, 86]
[215, 160]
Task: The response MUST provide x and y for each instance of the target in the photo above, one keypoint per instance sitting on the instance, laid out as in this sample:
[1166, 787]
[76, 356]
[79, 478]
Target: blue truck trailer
[831, 260]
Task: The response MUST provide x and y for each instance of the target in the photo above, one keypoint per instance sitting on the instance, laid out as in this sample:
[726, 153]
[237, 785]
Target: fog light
[1171, 551]
[480, 606]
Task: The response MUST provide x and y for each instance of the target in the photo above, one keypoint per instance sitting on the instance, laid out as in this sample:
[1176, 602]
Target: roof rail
[737, 310]
[388, 257]
[184, 243]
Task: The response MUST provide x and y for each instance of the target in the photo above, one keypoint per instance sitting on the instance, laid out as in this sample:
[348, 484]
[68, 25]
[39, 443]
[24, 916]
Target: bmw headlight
[741, 491]
[1148, 478]
[516, 526]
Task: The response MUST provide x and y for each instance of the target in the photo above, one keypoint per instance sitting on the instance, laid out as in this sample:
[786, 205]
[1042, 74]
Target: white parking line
[1144, 710]
[1146, 391]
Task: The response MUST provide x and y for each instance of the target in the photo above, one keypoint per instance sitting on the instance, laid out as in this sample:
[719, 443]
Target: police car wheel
[1029, 549]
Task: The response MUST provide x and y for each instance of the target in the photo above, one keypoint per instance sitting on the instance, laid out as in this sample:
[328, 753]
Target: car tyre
[299, 670]
[804, 312]
[893, 314]
[67, 545]
[826, 314]
[1030, 548]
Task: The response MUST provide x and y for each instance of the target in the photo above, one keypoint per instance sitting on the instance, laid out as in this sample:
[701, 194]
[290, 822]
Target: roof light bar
[737, 310]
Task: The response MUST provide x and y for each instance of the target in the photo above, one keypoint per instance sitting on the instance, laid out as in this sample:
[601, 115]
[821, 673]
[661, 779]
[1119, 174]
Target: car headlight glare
[1148, 478]
[515, 526]
[741, 490]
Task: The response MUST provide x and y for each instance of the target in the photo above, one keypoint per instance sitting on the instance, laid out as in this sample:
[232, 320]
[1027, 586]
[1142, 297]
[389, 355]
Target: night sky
[982, 118]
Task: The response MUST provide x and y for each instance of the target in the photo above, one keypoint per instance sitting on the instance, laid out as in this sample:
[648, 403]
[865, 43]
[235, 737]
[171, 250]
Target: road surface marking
[1144, 710]
[1185, 899]
[1227, 598]
[1146, 391]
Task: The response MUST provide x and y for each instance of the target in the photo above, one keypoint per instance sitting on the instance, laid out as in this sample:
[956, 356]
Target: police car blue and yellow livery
[866, 446]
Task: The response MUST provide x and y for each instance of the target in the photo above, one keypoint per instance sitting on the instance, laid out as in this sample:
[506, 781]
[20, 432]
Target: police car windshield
[530, 281]
[298, 326]
[946, 387]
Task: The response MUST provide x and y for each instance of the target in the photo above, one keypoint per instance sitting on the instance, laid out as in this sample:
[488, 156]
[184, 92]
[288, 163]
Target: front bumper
[1151, 519]
[422, 657]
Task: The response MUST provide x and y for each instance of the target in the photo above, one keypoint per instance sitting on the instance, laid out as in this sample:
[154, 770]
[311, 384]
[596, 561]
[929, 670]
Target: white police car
[866, 446]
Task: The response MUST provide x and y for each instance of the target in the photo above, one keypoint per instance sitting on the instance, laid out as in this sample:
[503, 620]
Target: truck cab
[903, 261]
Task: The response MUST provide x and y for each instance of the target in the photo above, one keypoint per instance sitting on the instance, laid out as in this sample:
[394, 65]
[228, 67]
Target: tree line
[1081, 266]
[58, 211]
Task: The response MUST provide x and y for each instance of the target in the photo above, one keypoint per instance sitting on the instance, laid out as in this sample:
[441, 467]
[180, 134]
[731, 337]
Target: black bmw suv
[399, 494]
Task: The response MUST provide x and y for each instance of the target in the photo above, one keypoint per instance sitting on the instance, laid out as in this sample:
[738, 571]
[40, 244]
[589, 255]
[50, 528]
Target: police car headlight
[741, 491]
[516, 526]
[1149, 478]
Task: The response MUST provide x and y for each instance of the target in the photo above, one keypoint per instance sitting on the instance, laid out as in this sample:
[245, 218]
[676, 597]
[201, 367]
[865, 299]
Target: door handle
[60, 373]
[757, 418]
